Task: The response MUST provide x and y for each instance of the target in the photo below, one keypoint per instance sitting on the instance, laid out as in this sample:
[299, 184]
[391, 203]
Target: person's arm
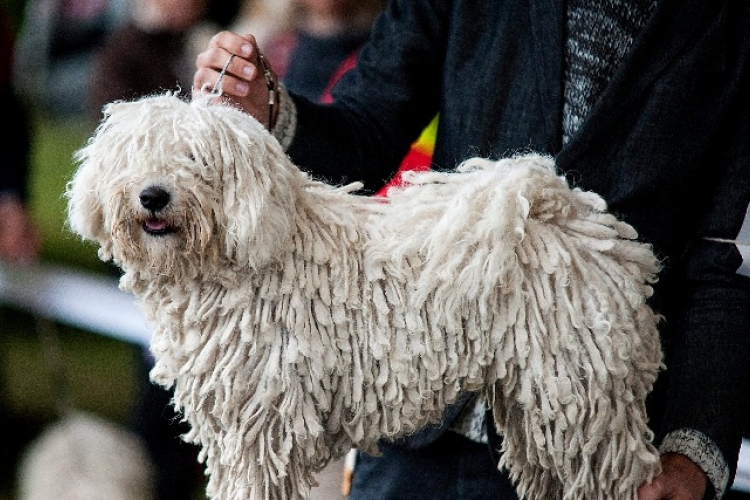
[708, 368]
[709, 373]
[708, 381]
[19, 236]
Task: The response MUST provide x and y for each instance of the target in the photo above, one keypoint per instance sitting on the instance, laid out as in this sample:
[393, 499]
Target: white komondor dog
[296, 319]
[84, 457]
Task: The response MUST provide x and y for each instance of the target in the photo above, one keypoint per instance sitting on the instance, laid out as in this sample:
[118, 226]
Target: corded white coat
[295, 319]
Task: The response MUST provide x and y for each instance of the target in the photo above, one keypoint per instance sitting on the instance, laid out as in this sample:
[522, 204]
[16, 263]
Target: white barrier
[742, 479]
[94, 303]
[82, 299]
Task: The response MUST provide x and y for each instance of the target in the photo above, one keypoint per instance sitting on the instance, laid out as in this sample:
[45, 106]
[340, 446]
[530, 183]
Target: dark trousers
[178, 473]
[450, 468]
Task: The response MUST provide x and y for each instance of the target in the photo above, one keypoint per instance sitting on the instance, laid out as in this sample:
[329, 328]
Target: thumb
[651, 491]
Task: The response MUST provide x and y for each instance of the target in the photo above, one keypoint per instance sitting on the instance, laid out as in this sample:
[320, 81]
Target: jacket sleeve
[708, 363]
[382, 105]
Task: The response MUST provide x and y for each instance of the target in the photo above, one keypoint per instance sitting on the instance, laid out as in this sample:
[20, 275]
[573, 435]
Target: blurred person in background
[266, 18]
[154, 49]
[20, 240]
[316, 41]
[311, 44]
[19, 236]
[55, 51]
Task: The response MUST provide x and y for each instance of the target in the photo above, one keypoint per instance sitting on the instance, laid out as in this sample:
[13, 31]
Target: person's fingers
[205, 81]
[240, 70]
[651, 491]
[212, 58]
[236, 62]
[240, 45]
[216, 58]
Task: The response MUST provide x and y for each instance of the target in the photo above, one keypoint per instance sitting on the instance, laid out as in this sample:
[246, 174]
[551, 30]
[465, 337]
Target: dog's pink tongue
[156, 224]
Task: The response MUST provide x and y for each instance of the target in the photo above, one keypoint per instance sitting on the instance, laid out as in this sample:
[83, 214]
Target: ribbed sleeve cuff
[703, 451]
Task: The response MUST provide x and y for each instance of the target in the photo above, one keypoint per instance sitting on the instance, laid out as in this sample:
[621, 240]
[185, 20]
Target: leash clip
[272, 88]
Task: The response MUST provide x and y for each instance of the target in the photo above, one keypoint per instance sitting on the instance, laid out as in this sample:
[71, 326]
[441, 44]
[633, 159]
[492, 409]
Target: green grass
[98, 370]
[52, 167]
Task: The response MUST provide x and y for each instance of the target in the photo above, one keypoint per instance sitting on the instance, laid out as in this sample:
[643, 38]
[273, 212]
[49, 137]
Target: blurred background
[69, 340]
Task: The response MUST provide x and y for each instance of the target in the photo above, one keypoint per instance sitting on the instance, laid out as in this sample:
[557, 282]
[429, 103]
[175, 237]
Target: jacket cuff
[703, 451]
[286, 123]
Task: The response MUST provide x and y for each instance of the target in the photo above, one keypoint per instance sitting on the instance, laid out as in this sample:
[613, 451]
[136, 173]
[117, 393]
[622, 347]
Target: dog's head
[170, 187]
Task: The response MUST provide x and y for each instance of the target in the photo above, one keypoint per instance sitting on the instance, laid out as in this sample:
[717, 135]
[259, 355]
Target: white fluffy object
[295, 319]
[84, 457]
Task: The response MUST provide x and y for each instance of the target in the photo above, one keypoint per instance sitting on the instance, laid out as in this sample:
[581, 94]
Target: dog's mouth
[156, 226]
[154, 199]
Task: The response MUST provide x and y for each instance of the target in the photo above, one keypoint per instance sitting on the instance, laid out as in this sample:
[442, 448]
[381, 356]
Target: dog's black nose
[154, 198]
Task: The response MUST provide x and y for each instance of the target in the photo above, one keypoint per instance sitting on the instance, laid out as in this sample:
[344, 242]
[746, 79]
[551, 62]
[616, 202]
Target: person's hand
[245, 83]
[19, 237]
[680, 479]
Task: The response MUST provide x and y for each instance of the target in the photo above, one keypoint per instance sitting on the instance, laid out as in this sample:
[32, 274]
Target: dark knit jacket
[666, 144]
